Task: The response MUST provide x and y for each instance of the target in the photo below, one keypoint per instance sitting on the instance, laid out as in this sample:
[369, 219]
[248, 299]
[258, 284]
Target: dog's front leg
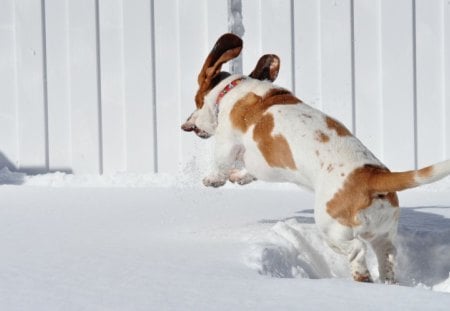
[225, 154]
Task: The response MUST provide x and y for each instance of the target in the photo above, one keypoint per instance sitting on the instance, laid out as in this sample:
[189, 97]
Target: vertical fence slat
[306, 48]
[167, 70]
[195, 152]
[268, 29]
[276, 38]
[367, 74]
[446, 74]
[251, 12]
[193, 49]
[84, 88]
[336, 60]
[216, 20]
[430, 127]
[8, 130]
[138, 79]
[398, 84]
[111, 69]
[30, 92]
[58, 95]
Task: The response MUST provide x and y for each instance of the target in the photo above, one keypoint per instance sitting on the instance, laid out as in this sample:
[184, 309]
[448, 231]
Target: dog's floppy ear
[227, 47]
[267, 68]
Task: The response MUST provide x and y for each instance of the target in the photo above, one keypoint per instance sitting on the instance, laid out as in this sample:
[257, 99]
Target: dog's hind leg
[386, 254]
[355, 250]
[356, 254]
[344, 240]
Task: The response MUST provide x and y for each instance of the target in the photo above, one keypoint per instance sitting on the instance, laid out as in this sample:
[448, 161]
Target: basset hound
[279, 138]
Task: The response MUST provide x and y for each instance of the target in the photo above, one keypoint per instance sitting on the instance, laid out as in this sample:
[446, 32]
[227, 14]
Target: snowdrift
[145, 242]
[294, 248]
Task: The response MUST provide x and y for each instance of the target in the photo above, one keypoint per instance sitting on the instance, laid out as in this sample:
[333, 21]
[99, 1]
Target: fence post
[236, 26]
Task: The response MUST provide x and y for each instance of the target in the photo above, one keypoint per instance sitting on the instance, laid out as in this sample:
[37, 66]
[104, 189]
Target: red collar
[226, 89]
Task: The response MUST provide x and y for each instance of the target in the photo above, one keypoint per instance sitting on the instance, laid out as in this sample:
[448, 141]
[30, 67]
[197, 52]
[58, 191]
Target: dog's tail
[385, 181]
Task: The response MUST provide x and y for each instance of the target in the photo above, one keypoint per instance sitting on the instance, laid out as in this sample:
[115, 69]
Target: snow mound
[294, 248]
[443, 287]
[423, 245]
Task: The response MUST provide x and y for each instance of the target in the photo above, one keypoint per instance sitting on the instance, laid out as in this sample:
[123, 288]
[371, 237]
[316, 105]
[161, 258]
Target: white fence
[101, 86]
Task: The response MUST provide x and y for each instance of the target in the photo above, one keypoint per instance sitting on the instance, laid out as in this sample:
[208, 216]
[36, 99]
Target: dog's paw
[362, 277]
[241, 177]
[214, 181]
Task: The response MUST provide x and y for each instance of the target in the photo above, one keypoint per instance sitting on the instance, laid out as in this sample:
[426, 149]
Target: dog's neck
[225, 90]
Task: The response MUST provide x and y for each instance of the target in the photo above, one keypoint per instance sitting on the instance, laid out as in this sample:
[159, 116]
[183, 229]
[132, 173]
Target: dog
[282, 139]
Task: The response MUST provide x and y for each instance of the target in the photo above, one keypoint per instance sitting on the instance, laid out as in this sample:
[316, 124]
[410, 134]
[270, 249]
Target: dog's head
[203, 120]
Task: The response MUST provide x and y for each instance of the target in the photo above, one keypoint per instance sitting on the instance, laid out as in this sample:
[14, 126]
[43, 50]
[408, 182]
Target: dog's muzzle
[189, 127]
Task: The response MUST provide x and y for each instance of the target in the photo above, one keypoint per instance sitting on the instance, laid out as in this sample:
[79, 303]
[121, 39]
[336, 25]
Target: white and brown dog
[282, 139]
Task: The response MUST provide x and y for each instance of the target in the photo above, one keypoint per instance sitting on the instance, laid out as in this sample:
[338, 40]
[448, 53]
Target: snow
[160, 242]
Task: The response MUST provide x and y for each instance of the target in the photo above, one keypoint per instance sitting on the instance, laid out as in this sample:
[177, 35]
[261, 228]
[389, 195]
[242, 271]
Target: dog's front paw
[241, 177]
[214, 181]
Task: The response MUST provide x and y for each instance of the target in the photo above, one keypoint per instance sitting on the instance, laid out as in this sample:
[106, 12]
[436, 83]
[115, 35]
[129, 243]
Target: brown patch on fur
[246, 112]
[275, 149]
[425, 172]
[279, 97]
[385, 181]
[340, 129]
[322, 137]
[251, 110]
[356, 195]
[393, 199]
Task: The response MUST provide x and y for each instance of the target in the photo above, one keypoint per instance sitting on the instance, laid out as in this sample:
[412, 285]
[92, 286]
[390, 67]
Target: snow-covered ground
[143, 242]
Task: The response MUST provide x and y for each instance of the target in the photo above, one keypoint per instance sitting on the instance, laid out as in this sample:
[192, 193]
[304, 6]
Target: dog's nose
[188, 127]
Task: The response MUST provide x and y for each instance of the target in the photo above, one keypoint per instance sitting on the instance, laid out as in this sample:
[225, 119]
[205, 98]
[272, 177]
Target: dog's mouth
[202, 134]
[192, 128]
